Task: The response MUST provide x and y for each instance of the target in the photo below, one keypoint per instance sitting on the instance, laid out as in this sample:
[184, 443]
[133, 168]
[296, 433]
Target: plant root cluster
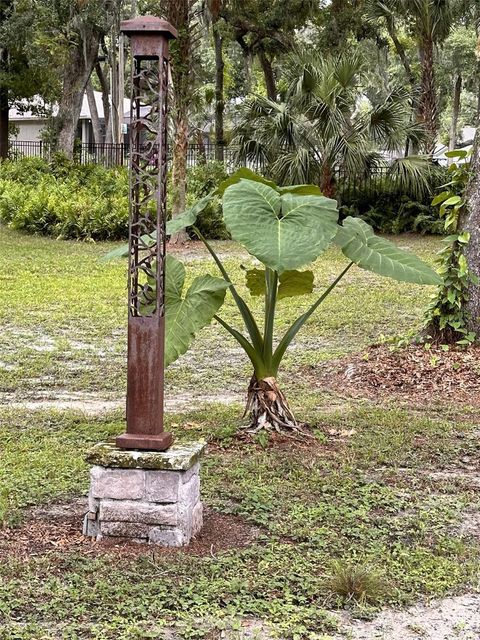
[269, 410]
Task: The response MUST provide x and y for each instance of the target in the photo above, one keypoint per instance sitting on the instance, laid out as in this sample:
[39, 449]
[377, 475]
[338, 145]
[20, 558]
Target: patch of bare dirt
[196, 250]
[58, 527]
[92, 404]
[447, 619]
[412, 373]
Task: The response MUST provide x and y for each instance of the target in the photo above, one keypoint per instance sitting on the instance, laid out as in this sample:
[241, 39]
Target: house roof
[465, 142]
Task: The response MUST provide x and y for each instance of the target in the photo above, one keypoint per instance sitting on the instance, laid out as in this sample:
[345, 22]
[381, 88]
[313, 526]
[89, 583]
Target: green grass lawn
[365, 494]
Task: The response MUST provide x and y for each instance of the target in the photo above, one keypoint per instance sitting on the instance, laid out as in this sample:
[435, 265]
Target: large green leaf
[291, 283]
[283, 231]
[242, 174]
[189, 216]
[255, 281]
[186, 219]
[295, 283]
[301, 190]
[185, 314]
[247, 174]
[368, 251]
[119, 252]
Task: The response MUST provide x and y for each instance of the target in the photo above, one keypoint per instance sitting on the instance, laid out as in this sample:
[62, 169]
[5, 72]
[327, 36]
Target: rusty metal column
[149, 38]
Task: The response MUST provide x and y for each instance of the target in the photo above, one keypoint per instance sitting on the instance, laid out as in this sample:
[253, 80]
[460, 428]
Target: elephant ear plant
[285, 228]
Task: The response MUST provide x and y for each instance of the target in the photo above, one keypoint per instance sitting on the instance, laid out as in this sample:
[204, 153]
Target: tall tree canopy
[266, 28]
[428, 22]
[26, 68]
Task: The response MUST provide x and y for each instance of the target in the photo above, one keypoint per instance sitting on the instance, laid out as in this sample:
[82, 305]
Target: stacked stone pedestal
[146, 496]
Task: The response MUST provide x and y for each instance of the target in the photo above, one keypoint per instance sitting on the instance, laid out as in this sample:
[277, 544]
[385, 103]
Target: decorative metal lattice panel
[148, 182]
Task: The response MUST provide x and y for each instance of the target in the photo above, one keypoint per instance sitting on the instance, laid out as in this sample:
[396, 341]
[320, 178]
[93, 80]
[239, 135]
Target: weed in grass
[359, 583]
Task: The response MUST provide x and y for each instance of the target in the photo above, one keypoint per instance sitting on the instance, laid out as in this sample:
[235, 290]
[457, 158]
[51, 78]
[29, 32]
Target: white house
[28, 125]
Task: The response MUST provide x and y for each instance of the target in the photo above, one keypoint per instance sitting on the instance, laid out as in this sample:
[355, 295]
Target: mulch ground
[412, 373]
[59, 528]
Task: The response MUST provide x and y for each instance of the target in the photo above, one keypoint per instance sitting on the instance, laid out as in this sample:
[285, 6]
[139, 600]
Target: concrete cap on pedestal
[179, 457]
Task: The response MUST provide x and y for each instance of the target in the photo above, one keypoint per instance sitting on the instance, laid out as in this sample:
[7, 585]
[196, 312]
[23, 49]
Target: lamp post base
[159, 442]
[145, 496]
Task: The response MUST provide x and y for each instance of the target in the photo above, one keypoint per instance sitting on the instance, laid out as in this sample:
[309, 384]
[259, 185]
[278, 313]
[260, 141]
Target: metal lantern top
[146, 34]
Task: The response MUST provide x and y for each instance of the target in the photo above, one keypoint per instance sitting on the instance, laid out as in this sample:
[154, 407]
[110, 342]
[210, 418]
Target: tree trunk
[477, 119]
[76, 73]
[4, 122]
[121, 85]
[4, 103]
[268, 408]
[219, 97]
[327, 181]
[92, 105]
[457, 92]
[428, 109]
[268, 75]
[179, 175]
[202, 152]
[114, 92]
[471, 223]
[106, 102]
[399, 48]
[180, 14]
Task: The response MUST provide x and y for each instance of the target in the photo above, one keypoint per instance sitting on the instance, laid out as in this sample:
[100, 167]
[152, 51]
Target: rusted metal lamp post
[149, 37]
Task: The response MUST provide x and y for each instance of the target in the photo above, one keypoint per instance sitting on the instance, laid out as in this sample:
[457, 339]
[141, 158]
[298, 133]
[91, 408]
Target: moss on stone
[179, 457]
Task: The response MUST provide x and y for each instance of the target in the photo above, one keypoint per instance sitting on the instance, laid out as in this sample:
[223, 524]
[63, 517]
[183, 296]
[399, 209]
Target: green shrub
[393, 213]
[388, 211]
[202, 180]
[26, 170]
[63, 199]
[71, 201]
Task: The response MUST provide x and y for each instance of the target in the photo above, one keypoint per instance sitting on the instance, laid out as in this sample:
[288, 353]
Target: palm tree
[429, 22]
[325, 123]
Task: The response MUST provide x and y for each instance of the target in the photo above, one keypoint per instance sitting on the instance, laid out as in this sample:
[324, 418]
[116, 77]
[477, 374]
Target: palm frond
[414, 175]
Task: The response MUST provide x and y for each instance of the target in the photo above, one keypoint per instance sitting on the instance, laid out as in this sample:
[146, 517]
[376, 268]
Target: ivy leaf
[457, 153]
[454, 200]
[441, 198]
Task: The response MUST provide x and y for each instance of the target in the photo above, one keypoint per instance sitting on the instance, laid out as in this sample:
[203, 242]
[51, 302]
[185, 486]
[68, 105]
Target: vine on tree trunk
[446, 318]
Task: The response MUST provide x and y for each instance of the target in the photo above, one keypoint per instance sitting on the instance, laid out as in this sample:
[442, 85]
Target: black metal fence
[348, 186]
[29, 149]
[118, 154]
[106, 153]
